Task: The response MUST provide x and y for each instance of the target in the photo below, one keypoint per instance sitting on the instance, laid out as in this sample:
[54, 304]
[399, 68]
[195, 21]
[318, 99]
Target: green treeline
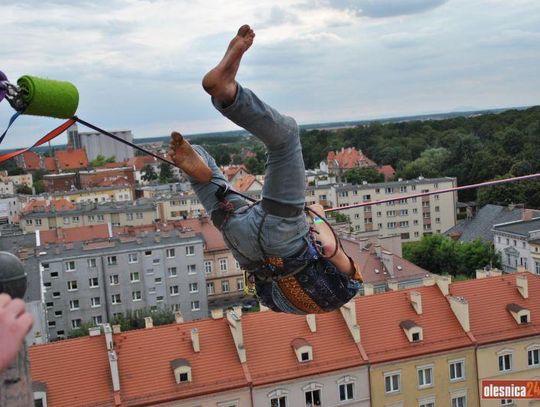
[473, 149]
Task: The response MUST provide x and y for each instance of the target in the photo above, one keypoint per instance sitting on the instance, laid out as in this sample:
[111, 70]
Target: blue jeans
[284, 182]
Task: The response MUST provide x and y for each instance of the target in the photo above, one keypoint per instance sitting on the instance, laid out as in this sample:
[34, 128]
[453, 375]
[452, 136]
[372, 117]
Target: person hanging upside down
[295, 268]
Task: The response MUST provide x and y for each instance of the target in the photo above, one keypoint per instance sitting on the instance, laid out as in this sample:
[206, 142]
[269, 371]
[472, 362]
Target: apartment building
[96, 144]
[426, 347]
[51, 214]
[17, 180]
[517, 242]
[10, 208]
[114, 193]
[411, 218]
[89, 279]
[501, 314]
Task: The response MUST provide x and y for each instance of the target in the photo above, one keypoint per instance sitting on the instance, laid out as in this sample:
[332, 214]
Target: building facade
[96, 144]
[10, 208]
[98, 194]
[98, 281]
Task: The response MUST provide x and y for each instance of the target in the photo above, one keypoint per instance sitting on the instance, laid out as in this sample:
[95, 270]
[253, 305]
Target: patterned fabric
[314, 287]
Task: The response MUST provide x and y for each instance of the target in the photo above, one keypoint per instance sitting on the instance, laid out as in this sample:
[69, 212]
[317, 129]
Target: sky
[138, 64]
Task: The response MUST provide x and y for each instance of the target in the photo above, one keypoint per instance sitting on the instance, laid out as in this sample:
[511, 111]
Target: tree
[431, 163]
[82, 330]
[254, 165]
[101, 160]
[165, 173]
[39, 186]
[369, 174]
[149, 173]
[24, 189]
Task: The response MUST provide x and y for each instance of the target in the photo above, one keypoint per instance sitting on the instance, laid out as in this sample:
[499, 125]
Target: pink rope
[440, 191]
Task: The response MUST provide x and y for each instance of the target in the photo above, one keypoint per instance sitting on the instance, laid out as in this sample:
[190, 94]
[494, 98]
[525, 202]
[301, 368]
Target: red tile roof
[140, 162]
[71, 159]
[145, 372]
[231, 170]
[274, 360]
[388, 172]
[76, 372]
[490, 321]
[78, 234]
[31, 160]
[349, 158]
[43, 205]
[49, 163]
[244, 183]
[379, 317]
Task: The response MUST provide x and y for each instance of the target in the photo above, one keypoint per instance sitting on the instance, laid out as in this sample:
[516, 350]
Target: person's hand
[15, 323]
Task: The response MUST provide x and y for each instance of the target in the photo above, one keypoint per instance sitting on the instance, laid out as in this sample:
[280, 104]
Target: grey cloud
[386, 8]
[276, 16]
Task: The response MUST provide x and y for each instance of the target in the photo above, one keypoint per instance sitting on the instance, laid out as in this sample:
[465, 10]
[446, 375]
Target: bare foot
[220, 82]
[186, 158]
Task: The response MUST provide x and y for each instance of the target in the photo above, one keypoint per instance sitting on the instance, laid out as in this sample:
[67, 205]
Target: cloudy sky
[138, 63]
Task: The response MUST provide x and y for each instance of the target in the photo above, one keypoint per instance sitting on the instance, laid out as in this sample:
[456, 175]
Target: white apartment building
[410, 218]
[517, 242]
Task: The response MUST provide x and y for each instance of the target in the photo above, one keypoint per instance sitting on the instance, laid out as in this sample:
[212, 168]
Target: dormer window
[302, 349]
[412, 330]
[520, 314]
[182, 370]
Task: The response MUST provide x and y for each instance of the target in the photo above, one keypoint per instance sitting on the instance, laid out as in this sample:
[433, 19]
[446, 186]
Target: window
[75, 323]
[210, 288]
[66, 220]
[425, 376]
[93, 282]
[56, 294]
[115, 299]
[208, 267]
[313, 398]
[171, 272]
[427, 404]
[192, 269]
[223, 265]
[92, 263]
[159, 298]
[100, 218]
[112, 261]
[240, 284]
[505, 362]
[225, 286]
[533, 357]
[73, 305]
[47, 284]
[195, 306]
[38, 221]
[457, 370]
[51, 324]
[136, 295]
[524, 319]
[133, 258]
[97, 320]
[173, 290]
[113, 279]
[158, 280]
[148, 253]
[72, 285]
[54, 274]
[190, 250]
[237, 265]
[75, 219]
[58, 314]
[193, 288]
[155, 261]
[49, 305]
[460, 401]
[170, 253]
[391, 382]
[506, 402]
[70, 265]
[134, 277]
[129, 216]
[346, 391]
[278, 402]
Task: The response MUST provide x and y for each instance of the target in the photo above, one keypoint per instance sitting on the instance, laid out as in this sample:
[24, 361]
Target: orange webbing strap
[48, 137]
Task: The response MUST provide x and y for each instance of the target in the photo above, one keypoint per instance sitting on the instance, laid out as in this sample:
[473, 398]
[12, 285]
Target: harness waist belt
[280, 209]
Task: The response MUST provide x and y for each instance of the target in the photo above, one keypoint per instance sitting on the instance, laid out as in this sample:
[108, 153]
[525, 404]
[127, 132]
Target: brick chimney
[148, 322]
[195, 340]
[312, 322]
[522, 285]
[416, 301]
[460, 308]
[527, 214]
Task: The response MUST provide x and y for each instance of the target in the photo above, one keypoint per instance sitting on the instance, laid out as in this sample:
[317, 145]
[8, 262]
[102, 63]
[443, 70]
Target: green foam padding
[47, 97]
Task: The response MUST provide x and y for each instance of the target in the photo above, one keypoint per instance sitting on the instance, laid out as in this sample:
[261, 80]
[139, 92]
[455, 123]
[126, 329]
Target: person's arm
[15, 323]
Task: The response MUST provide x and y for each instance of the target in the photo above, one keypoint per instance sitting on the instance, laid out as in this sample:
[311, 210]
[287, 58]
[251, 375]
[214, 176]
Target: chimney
[428, 280]
[195, 340]
[108, 336]
[94, 331]
[312, 322]
[348, 311]
[60, 233]
[116, 329]
[178, 317]
[217, 313]
[460, 308]
[378, 250]
[523, 285]
[416, 301]
[388, 261]
[482, 273]
[393, 285]
[263, 308]
[238, 310]
[444, 284]
[148, 322]
[368, 289]
[113, 364]
[527, 214]
[235, 325]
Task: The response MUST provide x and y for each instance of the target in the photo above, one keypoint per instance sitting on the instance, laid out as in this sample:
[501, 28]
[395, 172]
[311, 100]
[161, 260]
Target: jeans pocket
[284, 231]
